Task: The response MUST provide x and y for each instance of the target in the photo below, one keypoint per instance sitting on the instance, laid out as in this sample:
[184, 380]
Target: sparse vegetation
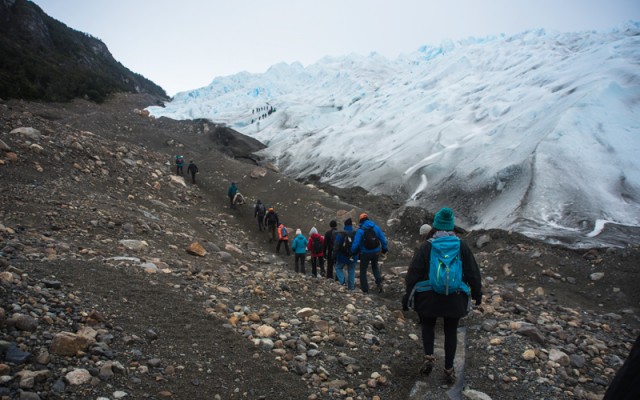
[43, 59]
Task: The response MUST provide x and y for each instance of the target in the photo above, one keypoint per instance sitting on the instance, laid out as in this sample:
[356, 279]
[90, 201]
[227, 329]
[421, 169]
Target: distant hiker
[315, 246]
[238, 199]
[272, 222]
[443, 275]
[329, 238]
[343, 256]
[283, 237]
[425, 230]
[233, 189]
[367, 243]
[193, 170]
[299, 248]
[179, 164]
[258, 213]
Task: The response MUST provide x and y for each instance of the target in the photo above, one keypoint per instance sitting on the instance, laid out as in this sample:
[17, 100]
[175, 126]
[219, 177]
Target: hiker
[445, 294]
[299, 248]
[193, 170]
[343, 256]
[425, 233]
[315, 246]
[425, 230]
[179, 165]
[258, 213]
[367, 243]
[233, 189]
[238, 199]
[283, 237]
[271, 221]
[329, 238]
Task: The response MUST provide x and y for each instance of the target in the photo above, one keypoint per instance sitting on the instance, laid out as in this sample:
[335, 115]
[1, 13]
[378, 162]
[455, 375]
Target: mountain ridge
[43, 59]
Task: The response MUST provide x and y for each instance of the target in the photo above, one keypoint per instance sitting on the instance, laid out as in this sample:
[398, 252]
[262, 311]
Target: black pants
[450, 338]
[260, 222]
[193, 177]
[300, 259]
[365, 260]
[330, 263]
[179, 170]
[272, 231]
[315, 261]
[286, 246]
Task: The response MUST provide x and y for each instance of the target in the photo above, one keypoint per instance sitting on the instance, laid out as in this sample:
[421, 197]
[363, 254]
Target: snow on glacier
[536, 133]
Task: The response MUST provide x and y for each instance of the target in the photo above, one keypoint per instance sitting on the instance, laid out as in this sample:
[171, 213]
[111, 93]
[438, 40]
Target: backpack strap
[421, 286]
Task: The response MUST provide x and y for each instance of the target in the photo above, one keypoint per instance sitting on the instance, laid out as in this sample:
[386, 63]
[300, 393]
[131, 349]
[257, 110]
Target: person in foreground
[443, 275]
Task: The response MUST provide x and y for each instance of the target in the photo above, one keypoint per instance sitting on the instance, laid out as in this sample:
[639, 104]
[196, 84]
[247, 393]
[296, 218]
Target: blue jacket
[358, 245]
[299, 245]
[341, 258]
[233, 189]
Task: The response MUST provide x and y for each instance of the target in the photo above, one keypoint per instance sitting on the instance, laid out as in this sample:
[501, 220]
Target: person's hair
[430, 234]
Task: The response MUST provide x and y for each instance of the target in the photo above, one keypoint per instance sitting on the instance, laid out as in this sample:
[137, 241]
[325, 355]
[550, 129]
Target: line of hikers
[441, 280]
[339, 248]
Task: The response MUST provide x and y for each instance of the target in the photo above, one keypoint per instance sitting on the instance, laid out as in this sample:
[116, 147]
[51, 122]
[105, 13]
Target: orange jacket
[281, 227]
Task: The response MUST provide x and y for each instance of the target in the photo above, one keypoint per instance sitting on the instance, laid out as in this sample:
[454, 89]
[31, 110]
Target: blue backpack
[445, 269]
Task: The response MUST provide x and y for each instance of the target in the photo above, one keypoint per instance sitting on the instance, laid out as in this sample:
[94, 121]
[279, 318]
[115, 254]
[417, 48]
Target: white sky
[183, 45]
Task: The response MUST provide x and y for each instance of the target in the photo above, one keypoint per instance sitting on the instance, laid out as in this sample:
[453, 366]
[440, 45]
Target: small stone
[529, 355]
[78, 376]
[559, 357]
[196, 249]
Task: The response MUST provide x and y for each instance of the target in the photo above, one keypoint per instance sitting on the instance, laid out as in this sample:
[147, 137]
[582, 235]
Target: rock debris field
[121, 280]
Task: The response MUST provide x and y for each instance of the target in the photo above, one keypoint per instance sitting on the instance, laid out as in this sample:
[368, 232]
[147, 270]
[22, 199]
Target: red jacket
[310, 245]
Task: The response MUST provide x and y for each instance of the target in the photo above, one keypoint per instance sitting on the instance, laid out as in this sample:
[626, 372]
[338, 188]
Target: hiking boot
[450, 376]
[427, 365]
[380, 288]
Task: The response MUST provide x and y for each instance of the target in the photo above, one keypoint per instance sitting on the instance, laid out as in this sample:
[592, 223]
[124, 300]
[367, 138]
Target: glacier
[536, 133]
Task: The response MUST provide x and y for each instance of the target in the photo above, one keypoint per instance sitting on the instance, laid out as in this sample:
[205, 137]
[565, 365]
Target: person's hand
[384, 251]
[405, 303]
[478, 300]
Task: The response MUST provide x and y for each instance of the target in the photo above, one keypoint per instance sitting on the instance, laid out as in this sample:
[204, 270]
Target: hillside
[43, 59]
[94, 227]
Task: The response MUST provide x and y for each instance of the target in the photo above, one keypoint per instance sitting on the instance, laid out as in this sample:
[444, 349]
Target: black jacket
[430, 304]
[271, 219]
[626, 385]
[329, 237]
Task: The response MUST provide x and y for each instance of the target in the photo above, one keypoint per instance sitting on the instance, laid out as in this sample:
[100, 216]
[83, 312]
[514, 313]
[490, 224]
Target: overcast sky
[183, 45]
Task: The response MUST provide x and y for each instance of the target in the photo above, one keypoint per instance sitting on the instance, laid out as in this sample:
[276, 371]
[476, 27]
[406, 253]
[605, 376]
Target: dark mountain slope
[43, 59]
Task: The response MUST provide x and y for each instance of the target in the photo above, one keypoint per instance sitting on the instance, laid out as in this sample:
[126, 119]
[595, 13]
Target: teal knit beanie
[443, 220]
